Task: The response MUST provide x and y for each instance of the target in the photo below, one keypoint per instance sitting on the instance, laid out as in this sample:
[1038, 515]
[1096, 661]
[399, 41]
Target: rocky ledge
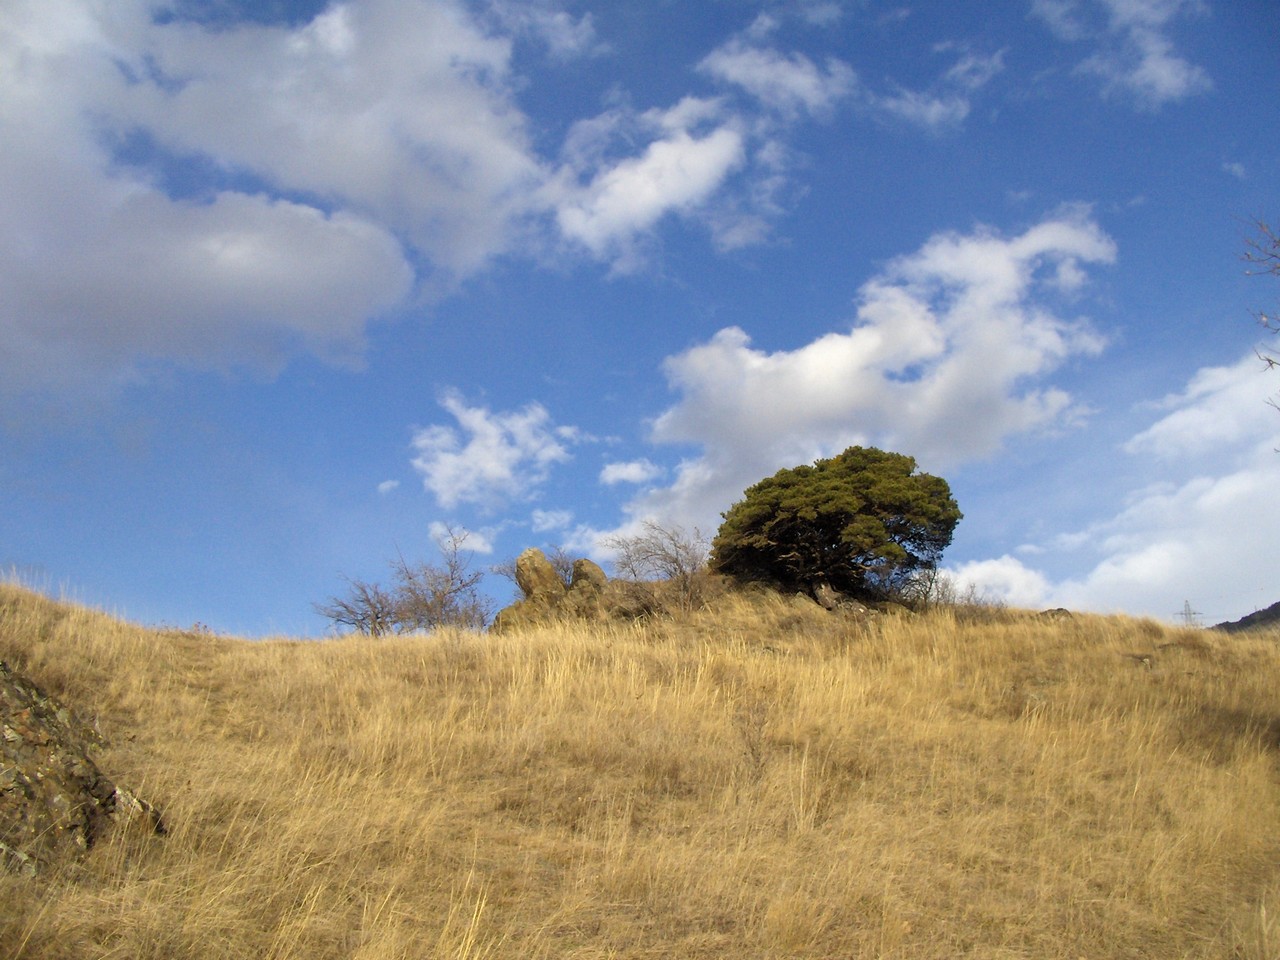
[54, 801]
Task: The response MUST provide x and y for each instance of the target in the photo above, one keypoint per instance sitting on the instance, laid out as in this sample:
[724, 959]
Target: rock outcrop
[547, 598]
[54, 801]
[538, 579]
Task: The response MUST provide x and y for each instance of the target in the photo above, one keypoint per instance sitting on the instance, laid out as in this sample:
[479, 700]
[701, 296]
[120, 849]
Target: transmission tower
[1189, 617]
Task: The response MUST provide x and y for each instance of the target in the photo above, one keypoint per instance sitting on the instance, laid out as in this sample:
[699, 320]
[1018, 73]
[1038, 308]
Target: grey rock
[54, 801]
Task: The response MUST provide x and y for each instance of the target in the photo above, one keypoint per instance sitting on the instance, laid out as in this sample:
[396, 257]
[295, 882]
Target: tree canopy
[861, 522]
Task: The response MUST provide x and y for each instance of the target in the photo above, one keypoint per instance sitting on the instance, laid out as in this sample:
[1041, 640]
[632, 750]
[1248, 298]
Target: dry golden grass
[759, 780]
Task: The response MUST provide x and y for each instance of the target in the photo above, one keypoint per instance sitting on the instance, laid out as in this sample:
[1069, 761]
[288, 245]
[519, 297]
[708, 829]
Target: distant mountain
[1258, 620]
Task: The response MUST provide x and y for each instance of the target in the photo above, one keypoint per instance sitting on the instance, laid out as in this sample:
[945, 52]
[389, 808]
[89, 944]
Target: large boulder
[588, 577]
[546, 598]
[537, 578]
[586, 591]
[54, 801]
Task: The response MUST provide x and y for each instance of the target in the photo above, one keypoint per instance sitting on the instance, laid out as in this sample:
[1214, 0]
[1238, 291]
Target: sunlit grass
[761, 779]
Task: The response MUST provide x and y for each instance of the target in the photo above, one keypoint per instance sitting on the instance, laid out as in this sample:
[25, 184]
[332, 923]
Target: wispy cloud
[1136, 56]
[790, 84]
[948, 101]
[606, 206]
[566, 37]
[468, 540]
[544, 521]
[488, 458]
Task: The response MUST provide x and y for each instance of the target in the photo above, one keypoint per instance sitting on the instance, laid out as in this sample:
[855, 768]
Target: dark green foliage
[861, 522]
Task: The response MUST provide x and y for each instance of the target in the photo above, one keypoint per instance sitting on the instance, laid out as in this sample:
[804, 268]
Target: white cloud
[948, 102]
[466, 539]
[399, 110]
[324, 149]
[387, 486]
[1220, 408]
[926, 110]
[490, 458]
[790, 84]
[543, 521]
[1061, 16]
[229, 195]
[945, 359]
[1206, 534]
[1149, 70]
[564, 36]
[677, 173]
[1005, 579]
[821, 13]
[633, 471]
[973, 71]
[1136, 57]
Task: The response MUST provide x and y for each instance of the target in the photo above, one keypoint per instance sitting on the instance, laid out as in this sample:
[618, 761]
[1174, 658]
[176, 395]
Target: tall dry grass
[761, 779]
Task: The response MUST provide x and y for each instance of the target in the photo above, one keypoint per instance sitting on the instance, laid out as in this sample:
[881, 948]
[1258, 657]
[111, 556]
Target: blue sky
[288, 287]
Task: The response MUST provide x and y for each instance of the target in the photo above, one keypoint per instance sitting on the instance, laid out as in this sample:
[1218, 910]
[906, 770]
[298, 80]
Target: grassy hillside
[762, 780]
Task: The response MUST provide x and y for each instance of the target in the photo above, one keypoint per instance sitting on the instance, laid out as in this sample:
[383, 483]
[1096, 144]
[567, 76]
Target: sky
[290, 288]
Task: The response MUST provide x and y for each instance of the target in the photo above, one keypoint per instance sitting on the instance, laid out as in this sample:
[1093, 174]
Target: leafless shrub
[423, 596]
[1263, 257]
[933, 588]
[367, 608]
[668, 554]
[445, 594]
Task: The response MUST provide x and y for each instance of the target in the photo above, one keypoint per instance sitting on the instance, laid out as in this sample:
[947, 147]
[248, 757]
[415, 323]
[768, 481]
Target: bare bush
[444, 594]
[1263, 257]
[933, 588]
[669, 554]
[423, 596]
[367, 608]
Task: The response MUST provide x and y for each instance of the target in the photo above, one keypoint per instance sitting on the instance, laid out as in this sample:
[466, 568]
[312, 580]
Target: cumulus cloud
[947, 356]
[608, 202]
[489, 458]
[1135, 56]
[402, 111]
[1005, 579]
[632, 471]
[319, 158]
[1205, 534]
[226, 195]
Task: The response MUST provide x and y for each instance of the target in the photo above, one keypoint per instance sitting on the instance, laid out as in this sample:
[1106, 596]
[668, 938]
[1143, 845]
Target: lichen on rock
[54, 801]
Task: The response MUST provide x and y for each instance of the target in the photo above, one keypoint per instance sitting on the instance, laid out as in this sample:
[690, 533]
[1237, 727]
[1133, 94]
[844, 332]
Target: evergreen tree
[861, 522]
